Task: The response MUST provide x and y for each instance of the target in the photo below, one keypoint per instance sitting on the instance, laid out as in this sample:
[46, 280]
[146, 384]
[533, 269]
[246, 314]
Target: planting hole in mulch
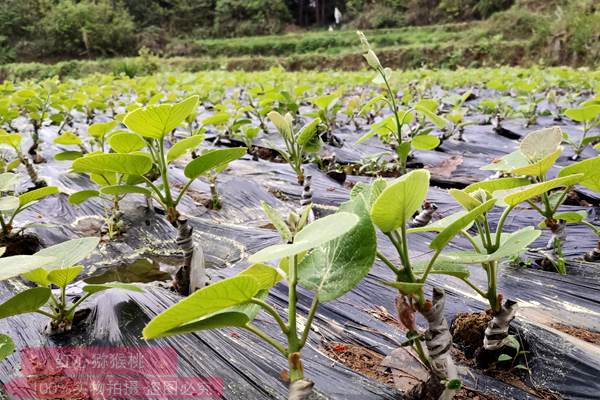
[26, 244]
[580, 333]
[468, 331]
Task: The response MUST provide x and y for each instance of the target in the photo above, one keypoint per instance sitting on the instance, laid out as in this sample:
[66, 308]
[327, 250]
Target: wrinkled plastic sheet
[250, 368]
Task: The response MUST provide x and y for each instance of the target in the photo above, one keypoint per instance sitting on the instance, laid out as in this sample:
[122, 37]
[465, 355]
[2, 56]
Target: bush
[86, 28]
[254, 17]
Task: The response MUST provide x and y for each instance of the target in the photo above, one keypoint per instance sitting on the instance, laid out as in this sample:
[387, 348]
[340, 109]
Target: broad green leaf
[216, 119]
[8, 204]
[8, 181]
[38, 276]
[68, 138]
[513, 160]
[438, 121]
[276, 219]
[62, 277]
[583, 114]
[27, 301]
[308, 131]
[531, 191]
[425, 142]
[266, 276]
[82, 196]
[335, 268]
[13, 140]
[68, 155]
[100, 129]
[206, 301]
[7, 346]
[313, 235]
[440, 224]
[215, 321]
[281, 123]
[184, 146]
[126, 142]
[155, 122]
[124, 189]
[442, 239]
[464, 199]
[538, 168]
[100, 287]
[17, 265]
[540, 144]
[569, 217]
[406, 288]
[515, 244]
[493, 185]
[37, 194]
[368, 192]
[400, 200]
[70, 252]
[130, 164]
[590, 169]
[212, 159]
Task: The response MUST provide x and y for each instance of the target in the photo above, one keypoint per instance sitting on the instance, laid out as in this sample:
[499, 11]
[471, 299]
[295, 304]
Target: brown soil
[368, 363]
[580, 333]
[467, 331]
[26, 244]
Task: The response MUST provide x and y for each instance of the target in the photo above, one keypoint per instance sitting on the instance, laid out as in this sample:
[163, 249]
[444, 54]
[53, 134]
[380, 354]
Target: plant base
[26, 244]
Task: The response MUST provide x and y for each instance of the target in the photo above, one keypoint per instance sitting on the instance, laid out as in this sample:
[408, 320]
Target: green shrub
[254, 17]
[86, 28]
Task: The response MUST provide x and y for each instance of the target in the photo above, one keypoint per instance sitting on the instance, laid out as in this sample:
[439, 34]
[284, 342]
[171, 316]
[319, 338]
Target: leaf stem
[269, 309]
[264, 336]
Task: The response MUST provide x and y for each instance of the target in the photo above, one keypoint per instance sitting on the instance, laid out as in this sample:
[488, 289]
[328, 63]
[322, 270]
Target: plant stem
[492, 295]
[309, 320]
[296, 373]
[388, 263]
[264, 336]
[269, 309]
[500, 226]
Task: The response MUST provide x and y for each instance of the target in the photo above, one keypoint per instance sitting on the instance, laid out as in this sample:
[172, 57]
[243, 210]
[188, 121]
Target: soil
[25, 244]
[368, 363]
[467, 331]
[580, 333]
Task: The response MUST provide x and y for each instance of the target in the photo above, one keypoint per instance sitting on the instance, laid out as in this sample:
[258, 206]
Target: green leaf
[406, 288]
[130, 164]
[8, 181]
[531, 191]
[62, 277]
[464, 199]
[442, 239]
[155, 122]
[8, 204]
[68, 155]
[68, 138]
[212, 159]
[184, 146]
[266, 276]
[540, 144]
[37, 194]
[70, 252]
[583, 114]
[38, 276]
[315, 234]
[277, 221]
[126, 142]
[282, 124]
[100, 287]
[215, 321]
[368, 192]
[515, 244]
[17, 265]
[307, 132]
[206, 301]
[538, 168]
[431, 116]
[82, 196]
[441, 267]
[101, 129]
[7, 346]
[117, 190]
[504, 357]
[400, 200]
[425, 142]
[13, 140]
[27, 301]
[493, 185]
[590, 169]
[219, 118]
[513, 160]
[570, 217]
[440, 224]
[335, 268]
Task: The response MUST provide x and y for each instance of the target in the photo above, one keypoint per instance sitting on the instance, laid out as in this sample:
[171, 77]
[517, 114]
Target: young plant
[322, 257]
[298, 144]
[537, 153]
[327, 107]
[12, 204]
[55, 266]
[589, 116]
[527, 94]
[397, 129]
[34, 104]
[14, 141]
[456, 117]
[391, 208]
[154, 123]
